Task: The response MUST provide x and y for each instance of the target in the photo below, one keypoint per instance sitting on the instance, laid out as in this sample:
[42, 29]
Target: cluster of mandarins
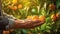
[19, 6]
[42, 18]
[35, 17]
[55, 16]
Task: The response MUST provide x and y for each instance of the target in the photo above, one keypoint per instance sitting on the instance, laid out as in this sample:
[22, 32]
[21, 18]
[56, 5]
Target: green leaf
[24, 31]
[48, 27]
[43, 27]
[48, 20]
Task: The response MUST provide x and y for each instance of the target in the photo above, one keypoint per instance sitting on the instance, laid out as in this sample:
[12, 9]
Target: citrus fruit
[35, 17]
[57, 15]
[42, 18]
[14, 1]
[29, 17]
[20, 6]
[14, 7]
[53, 17]
[52, 7]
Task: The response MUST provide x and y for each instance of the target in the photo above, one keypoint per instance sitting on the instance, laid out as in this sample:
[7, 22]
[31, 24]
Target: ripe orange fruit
[14, 1]
[35, 17]
[14, 8]
[42, 18]
[53, 17]
[20, 6]
[57, 15]
[29, 17]
[52, 7]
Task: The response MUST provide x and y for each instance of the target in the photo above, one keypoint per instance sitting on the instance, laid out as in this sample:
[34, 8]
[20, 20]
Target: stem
[27, 11]
[38, 7]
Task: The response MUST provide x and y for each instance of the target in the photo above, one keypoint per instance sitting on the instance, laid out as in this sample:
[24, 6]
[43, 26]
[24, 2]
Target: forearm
[26, 24]
[21, 23]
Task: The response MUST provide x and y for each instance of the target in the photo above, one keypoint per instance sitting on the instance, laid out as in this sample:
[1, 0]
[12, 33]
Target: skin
[25, 24]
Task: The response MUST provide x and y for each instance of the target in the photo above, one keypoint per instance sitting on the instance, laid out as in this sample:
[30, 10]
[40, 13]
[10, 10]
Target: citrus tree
[46, 11]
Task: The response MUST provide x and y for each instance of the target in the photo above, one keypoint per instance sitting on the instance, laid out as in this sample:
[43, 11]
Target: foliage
[21, 9]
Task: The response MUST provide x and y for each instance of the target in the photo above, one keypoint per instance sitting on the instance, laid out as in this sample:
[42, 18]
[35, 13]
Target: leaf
[43, 27]
[48, 20]
[23, 31]
[48, 27]
[43, 12]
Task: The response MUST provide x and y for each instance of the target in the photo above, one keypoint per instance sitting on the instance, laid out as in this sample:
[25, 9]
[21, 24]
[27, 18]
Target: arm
[25, 24]
[21, 23]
